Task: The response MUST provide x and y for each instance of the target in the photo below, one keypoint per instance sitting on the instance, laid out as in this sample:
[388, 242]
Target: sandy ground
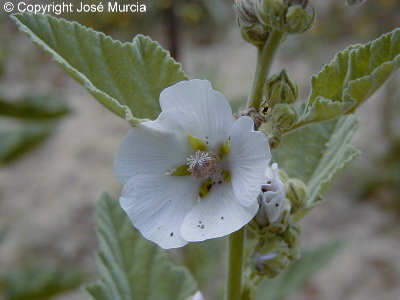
[47, 199]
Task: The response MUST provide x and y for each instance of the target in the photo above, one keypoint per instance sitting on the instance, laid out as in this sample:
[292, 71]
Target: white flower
[271, 197]
[193, 173]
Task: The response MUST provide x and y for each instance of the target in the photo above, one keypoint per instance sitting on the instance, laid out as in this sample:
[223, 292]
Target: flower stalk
[235, 265]
[265, 57]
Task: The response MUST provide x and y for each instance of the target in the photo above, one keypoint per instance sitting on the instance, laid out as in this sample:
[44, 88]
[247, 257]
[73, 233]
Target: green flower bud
[303, 3]
[273, 134]
[292, 235]
[284, 115]
[272, 258]
[271, 13]
[280, 89]
[299, 19]
[276, 249]
[283, 175]
[296, 192]
[289, 16]
[254, 34]
[250, 27]
[292, 239]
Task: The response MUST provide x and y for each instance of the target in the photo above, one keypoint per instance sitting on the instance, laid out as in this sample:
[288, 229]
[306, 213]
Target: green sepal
[205, 188]
[181, 171]
[224, 149]
[226, 175]
[196, 143]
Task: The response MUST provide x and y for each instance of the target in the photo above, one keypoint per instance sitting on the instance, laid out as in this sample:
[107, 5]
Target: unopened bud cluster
[280, 93]
[278, 246]
[278, 240]
[288, 16]
[257, 17]
[250, 27]
[280, 89]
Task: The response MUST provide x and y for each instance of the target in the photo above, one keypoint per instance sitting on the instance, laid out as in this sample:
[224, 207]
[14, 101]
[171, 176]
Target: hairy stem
[265, 57]
[235, 265]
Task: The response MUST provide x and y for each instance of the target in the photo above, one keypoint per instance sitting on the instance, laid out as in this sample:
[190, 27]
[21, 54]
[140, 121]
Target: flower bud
[296, 192]
[292, 235]
[254, 34]
[244, 10]
[289, 16]
[250, 27]
[271, 13]
[280, 89]
[271, 198]
[299, 19]
[271, 258]
[302, 3]
[273, 135]
[284, 115]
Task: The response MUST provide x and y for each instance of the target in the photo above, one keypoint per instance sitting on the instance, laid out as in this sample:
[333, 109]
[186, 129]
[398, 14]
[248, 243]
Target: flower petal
[195, 108]
[157, 205]
[147, 149]
[276, 183]
[273, 203]
[248, 160]
[218, 214]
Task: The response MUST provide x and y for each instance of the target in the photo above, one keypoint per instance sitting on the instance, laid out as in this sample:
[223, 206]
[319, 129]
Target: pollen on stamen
[199, 158]
[203, 164]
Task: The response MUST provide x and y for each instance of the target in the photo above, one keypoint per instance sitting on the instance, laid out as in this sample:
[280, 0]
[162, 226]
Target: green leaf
[127, 78]
[298, 273]
[351, 78]
[34, 107]
[38, 282]
[132, 268]
[206, 262]
[16, 142]
[317, 152]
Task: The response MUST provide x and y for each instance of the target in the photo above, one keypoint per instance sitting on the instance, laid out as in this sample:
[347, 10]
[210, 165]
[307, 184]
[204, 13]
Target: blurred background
[57, 147]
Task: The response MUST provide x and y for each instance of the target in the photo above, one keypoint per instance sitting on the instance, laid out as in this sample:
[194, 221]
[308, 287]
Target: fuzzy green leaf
[298, 273]
[351, 78]
[317, 152]
[34, 107]
[38, 282]
[16, 142]
[127, 78]
[132, 268]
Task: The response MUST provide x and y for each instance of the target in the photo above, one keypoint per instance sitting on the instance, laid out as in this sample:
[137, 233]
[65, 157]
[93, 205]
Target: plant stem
[265, 57]
[235, 265]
